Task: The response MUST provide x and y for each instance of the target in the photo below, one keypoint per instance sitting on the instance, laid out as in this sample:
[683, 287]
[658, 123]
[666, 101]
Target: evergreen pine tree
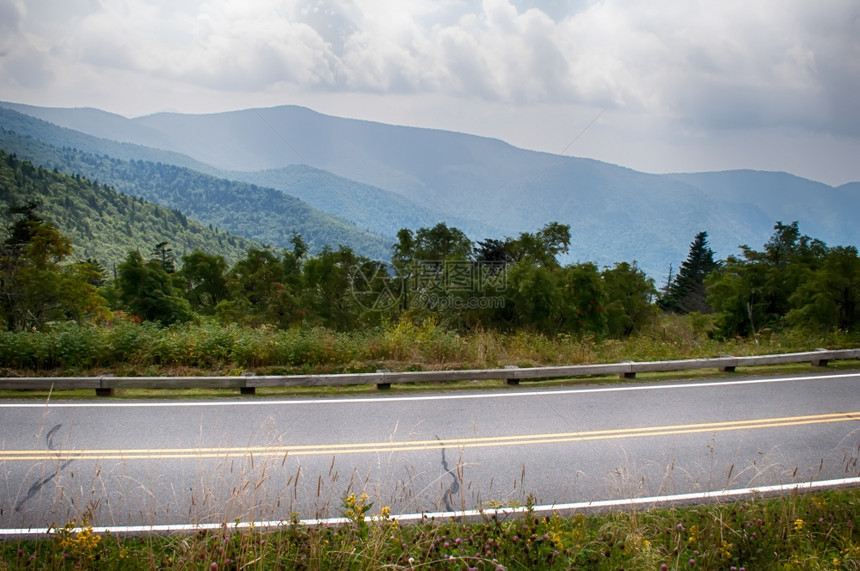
[687, 293]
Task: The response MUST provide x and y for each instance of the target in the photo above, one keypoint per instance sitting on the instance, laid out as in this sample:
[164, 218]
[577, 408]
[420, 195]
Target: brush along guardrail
[106, 385]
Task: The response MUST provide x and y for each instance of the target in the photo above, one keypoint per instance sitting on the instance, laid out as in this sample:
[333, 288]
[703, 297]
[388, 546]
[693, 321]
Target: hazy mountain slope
[501, 189]
[260, 214]
[370, 208]
[95, 122]
[57, 136]
[851, 187]
[366, 206]
[416, 163]
[618, 214]
[822, 211]
[104, 224]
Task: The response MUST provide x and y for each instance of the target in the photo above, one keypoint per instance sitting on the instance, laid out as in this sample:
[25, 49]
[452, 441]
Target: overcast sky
[674, 85]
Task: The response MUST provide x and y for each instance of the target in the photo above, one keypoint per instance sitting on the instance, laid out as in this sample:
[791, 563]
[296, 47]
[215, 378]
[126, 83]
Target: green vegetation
[795, 281]
[121, 345]
[34, 285]
[103, 224]
[808, 531]
[259, 214]
[686, 292]
[440, 285]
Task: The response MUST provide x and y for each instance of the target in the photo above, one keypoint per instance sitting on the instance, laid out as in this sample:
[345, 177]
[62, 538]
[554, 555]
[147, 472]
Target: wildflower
[694, 534]
[798, 525]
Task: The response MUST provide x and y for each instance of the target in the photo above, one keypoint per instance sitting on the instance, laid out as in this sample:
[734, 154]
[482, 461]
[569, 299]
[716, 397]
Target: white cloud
[695, 67]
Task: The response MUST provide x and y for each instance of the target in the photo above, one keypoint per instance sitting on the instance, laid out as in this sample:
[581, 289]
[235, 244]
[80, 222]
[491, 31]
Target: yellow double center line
[410, 445]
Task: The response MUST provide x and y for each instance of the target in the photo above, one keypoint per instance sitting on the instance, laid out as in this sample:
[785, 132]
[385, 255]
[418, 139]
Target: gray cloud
[700, 66]
[11, 15]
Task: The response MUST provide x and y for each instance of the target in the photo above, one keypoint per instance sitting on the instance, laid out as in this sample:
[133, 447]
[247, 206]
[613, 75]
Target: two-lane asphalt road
[175, 462]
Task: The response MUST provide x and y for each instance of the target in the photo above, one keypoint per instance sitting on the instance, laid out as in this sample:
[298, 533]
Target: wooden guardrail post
[511, 380]
[246, 390]
[820, 362]
[383, 386]
[629, 374]
[103, 391]
[727, 368]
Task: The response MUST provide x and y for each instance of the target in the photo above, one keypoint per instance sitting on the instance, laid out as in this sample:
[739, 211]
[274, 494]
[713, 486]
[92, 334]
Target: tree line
[436, 272]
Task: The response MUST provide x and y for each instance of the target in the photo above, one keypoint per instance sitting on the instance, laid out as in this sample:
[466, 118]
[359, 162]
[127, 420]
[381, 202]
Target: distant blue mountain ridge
[383, 177]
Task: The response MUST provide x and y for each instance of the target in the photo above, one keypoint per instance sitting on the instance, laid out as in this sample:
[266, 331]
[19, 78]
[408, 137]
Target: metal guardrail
[106, 385]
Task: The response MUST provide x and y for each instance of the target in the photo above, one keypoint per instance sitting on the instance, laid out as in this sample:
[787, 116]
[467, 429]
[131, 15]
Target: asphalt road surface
[179, 462]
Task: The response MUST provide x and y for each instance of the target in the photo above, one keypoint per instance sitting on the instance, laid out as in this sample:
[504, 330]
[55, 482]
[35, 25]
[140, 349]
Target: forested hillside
[102, 223]
[261, 214]
[365, 205]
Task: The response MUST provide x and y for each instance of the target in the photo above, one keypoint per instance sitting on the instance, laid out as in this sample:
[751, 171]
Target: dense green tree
[259, 292]
[583, 294]
[343, 290]
[433, 272]
[830, 298]
[532, 297]
[35, 284]
[441, 242]
[756, 291]
[206, 280]
[164, 255]
[541, 248]
[146, 290]
[293, 261]
[630, 294]
[687, 292]
[403, 266]
[491, 251]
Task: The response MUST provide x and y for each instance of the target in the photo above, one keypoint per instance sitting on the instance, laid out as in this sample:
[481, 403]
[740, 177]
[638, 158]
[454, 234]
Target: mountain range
[369, 179]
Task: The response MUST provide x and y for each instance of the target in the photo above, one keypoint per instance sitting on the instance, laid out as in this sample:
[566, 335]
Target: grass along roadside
[130, 349]
[798, 531]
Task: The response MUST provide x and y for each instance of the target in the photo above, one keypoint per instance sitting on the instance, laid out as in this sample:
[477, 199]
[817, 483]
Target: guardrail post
[512, 381]
[103, 391]
[727, 368]
[248, 390]
[383, 386]
[819, 362]
[631, 374]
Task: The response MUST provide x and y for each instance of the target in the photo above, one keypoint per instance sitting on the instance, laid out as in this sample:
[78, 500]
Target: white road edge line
[595, 504]
[385, 399]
